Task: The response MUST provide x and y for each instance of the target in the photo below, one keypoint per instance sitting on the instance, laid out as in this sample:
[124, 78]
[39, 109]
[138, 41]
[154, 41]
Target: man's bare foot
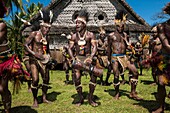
[159, 110]
[91, 102]
[153, 84]
[116, 97]
[80, 102]
[7, 111]
[66, 82]
[46, 101]
[35, 105]
[134, 96]
[29, 90]
[94, 104]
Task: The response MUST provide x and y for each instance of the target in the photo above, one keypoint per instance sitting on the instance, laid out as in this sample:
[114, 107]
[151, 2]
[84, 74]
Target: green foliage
[14, 3]
[63, 96]
[15, 26]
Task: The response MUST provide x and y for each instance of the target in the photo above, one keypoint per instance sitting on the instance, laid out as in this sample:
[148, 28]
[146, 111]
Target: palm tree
[17, 3]
[15, 25]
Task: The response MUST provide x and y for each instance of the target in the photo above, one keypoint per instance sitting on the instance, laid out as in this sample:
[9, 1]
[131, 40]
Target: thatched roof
[102, 13]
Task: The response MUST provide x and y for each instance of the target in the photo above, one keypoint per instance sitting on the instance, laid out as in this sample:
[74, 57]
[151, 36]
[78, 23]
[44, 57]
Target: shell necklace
[82, 39]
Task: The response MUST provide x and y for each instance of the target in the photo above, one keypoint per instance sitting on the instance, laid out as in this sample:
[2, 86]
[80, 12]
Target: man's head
[120, 27]
[120, 20]
[166, 9]
[81, 20]
[102, 33]
[46, 20]
[155, 32]
[137, 45]
[3, 9]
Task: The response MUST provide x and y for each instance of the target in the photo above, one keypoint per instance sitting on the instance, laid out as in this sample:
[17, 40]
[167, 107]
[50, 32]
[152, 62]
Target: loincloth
[103, 61]
[122, 59]
[37, 62]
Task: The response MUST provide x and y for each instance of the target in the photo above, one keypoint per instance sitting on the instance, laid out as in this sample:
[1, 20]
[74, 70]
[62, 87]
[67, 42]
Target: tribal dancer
[117, 44]
[67, 65]
[156, 46]
[39, 56]
[10, 65]
[163, 60]
[102, 59]
[85, 45]
[138, 55]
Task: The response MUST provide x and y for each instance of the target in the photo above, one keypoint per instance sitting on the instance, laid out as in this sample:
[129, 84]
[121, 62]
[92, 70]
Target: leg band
[34, 87]
[94, 84]
[78, 86]
[121, 74]
[130, 75]
[116, 84]
[132, 80]
[45, 84]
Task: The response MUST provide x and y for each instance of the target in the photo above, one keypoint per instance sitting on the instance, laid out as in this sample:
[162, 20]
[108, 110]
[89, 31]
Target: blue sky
[144, 8]
[147, 8]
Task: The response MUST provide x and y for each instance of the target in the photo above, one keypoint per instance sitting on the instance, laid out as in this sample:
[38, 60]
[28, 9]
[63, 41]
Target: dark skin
[118, 42]
[164, 36]
[155, 48]
[81, 28]
[66, 65]
[4, 91]
[37, 52]
[28, 67]
[102, 46]
[138, 55]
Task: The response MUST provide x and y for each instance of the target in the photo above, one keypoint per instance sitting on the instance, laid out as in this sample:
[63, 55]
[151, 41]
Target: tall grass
[63, 97]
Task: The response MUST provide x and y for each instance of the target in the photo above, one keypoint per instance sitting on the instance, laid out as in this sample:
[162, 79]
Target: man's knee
[77, 82]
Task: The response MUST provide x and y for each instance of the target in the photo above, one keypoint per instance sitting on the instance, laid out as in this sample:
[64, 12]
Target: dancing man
[85, 45]
[39, 56]
[163, 60]
[156, 46]
[10, 65]
[102, 58]
[117, 44]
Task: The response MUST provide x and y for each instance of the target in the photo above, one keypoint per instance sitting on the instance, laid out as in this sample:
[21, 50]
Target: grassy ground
[63, 97]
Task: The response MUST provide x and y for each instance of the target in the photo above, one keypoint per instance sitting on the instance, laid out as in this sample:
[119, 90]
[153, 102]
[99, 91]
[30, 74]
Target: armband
[164, 39]
[71, 42]
[93, 40]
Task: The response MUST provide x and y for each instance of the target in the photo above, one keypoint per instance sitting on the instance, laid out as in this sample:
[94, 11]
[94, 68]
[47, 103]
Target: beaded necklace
[44, 41]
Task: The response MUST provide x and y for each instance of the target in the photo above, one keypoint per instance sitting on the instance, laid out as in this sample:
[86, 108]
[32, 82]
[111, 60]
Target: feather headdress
[46, 17]
[120, 18]
[101, 30]
[144, 39]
